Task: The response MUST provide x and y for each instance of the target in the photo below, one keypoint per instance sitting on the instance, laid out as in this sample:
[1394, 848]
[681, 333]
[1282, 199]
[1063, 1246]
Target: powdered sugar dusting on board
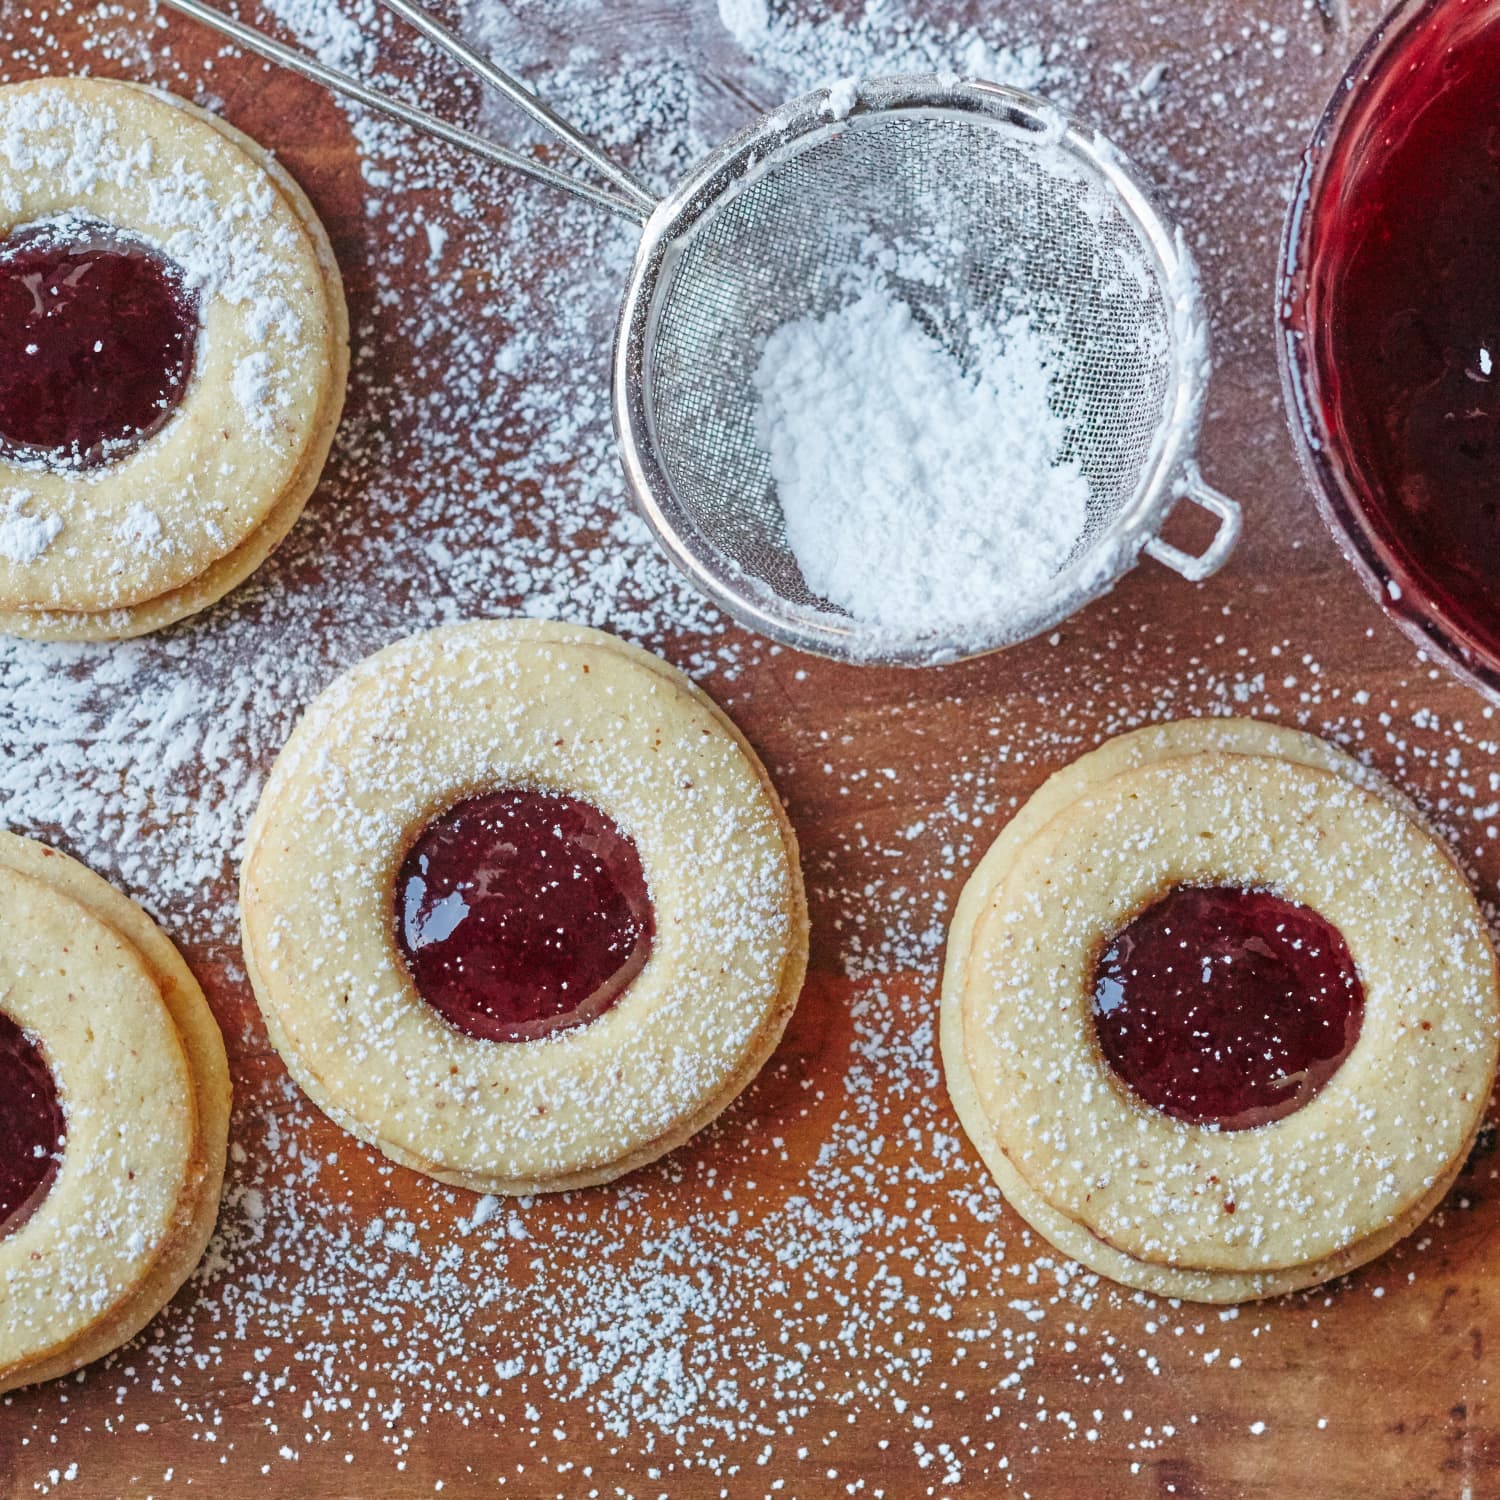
[356, 1328]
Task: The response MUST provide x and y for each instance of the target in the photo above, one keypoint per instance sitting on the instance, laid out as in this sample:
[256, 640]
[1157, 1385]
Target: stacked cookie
[110, 1046]
[449, 719]
[114, 544]
[1191, 1209]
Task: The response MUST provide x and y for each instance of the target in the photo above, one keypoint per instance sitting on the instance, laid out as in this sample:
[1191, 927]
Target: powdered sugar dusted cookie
[521, 907]
[115, 1098]
[181, 352]
[1187, 1171]
[208, 1069]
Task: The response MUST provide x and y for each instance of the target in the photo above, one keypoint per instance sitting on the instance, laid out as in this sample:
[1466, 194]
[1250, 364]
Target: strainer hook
[1195, 568]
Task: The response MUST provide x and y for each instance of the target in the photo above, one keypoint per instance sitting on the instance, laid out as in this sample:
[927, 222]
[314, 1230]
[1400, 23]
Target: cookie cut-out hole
[1227, 1007]
[97, 335]
[522, 913]
[32, 1127]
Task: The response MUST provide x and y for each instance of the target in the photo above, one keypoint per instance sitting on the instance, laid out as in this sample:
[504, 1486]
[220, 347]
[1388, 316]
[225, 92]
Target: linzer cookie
[521, 907]
[1219, 1013]
[173, 354]
[114, 1116]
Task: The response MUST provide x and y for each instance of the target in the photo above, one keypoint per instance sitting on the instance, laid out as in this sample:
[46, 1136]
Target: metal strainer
[1005, 206]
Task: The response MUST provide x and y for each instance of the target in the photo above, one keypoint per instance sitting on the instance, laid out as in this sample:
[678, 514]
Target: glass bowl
[1409, 45]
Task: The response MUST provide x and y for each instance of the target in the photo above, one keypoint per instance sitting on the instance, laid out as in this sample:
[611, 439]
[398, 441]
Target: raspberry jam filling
[1227, 1007]
[522, 913]
[31, 1126]
[96, 343]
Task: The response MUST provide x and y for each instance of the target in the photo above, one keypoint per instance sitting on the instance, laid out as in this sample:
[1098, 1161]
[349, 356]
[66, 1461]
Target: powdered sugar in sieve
[923, 494]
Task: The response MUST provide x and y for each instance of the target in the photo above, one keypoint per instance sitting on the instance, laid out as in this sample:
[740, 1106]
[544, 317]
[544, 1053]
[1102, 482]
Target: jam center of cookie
[523, 913]
[96, 343]
[31, 1126]
[1227, 1007]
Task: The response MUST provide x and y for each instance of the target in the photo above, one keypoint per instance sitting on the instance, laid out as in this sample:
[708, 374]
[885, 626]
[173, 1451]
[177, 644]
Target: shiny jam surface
[31, 1126]
[1227, 1007]
[522, 913]
[1404, 313]
[96, 343]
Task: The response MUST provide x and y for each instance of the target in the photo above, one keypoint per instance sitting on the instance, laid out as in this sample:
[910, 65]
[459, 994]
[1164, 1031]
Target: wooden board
[823, 1295]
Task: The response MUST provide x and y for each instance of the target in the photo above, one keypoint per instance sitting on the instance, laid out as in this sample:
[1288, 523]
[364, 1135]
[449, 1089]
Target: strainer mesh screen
[994, 222]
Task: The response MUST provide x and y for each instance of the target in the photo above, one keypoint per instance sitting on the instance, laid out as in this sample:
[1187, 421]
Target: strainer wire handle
[632, 202]
[1195, 569]
[513, 89]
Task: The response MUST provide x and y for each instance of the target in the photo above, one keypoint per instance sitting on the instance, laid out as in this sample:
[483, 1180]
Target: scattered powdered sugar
[843, 94]
[254, 388]
[919, 496]
[45, 138]
[747, 21]
[673, 86]
[141, 528]
[24, 534]
[817, 50]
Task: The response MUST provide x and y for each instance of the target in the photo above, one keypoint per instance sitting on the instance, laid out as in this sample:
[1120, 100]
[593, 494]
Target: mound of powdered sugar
[920, 496]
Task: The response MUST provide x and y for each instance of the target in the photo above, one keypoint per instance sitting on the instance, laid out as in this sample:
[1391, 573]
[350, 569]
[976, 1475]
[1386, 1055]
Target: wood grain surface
[924, 1344]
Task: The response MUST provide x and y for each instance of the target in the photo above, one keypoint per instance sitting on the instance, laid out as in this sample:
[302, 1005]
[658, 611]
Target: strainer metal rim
[1168, 473]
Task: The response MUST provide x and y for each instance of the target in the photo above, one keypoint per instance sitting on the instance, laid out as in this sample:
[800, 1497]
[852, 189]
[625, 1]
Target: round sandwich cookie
[173, 356]
[521, 907]
[114, 1116]
[1219, 1013]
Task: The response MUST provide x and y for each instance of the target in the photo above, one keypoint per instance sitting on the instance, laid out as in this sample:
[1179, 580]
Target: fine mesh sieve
[978, 202]
[1008, 209]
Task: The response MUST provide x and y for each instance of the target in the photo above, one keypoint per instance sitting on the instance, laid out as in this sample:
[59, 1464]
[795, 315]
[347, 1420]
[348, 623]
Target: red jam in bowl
[522, 913]
[96, 343]
[1402, 316]
[31, 1126]
[1226, 1007]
